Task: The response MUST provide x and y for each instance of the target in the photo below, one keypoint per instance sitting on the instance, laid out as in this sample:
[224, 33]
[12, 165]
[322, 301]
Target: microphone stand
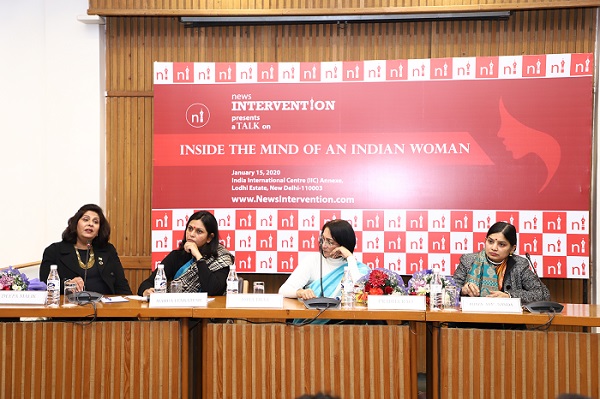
[321, 302]
[531, 263]
[541, 306]
[321, 273]
[87, 259]
[85, 297]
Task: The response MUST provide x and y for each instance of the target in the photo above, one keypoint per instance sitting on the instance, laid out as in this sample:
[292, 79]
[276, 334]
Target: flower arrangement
[12, 280]
[419, 282]
[380, 281]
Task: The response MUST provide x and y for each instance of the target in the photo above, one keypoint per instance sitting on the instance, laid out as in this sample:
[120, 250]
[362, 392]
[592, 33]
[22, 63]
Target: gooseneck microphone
[532, 266]
[541, 306]
[85, 297]
[321, 302]
[87, 259]
[321, 272]
[531, 263]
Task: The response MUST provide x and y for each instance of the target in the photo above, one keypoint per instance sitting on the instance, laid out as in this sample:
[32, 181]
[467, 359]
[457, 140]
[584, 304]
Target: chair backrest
[31, 269]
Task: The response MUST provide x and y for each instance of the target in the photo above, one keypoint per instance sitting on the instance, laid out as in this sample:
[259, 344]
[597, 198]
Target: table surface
[572, 314]
[129, 309]
[293, 308]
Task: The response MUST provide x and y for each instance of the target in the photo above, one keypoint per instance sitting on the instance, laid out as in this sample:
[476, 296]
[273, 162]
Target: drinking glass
[69, 293]
[176, 287]
[259, 287]
[451, 298]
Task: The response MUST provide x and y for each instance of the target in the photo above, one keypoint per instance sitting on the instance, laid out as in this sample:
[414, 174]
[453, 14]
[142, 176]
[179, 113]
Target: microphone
[87, 259]
[321, 263]
[85, 297]
[541, 306]
[321, 302]
[532, 266]
[531, 263]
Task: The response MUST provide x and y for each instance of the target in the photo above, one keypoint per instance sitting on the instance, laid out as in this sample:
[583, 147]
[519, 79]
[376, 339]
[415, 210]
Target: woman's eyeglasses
[328, 242]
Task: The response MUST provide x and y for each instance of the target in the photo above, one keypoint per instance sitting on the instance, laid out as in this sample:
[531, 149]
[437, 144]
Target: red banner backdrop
[421, 156]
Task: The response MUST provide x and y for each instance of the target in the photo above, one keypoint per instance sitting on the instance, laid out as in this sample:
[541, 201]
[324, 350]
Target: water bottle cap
[161, 266]
[53, 267]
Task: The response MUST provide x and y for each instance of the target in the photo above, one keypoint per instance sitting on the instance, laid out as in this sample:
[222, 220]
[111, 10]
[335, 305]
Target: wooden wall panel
[137, 269]
[98, 360]
[275, 360]
[517, 364]
[134, 43]
[129, 173]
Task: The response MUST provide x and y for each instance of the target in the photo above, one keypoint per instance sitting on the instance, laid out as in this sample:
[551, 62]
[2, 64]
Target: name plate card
[23, 297]
[265, 301]
[178, 300]
[396, 302]
[491, 305]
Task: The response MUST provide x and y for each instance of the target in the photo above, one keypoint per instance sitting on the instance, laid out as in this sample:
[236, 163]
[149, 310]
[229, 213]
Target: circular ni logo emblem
[197, 115]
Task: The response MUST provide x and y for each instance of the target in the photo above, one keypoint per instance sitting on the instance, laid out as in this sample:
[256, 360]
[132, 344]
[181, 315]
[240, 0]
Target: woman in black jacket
[85, 256]
[200, 262]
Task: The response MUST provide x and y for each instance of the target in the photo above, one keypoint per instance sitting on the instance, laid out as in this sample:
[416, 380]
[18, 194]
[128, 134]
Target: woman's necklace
[494, 263]
[90, 261]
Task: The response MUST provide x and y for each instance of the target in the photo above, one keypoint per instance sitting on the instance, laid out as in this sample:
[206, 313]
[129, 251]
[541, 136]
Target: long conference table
[129, 350]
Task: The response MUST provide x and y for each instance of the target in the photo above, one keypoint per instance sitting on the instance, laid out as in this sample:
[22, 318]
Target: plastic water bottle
[348, 297]
[160, 280]
[233, 281]
[53, 284]
[435, 290]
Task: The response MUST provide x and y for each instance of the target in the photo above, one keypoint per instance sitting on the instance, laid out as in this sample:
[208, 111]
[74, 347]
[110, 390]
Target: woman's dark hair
[70, 233]
[507, 229]
[212, 228]
[342, 232]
